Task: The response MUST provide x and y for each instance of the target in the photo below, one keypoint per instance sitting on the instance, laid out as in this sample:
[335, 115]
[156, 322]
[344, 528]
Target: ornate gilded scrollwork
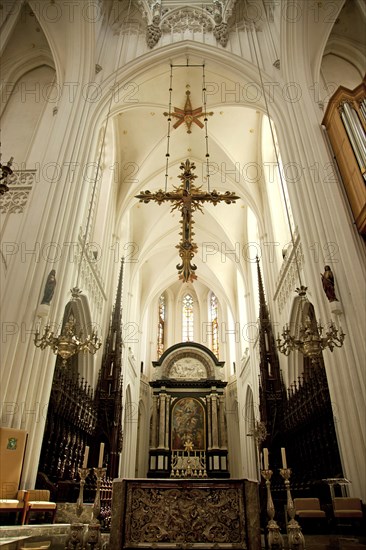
[185, 516]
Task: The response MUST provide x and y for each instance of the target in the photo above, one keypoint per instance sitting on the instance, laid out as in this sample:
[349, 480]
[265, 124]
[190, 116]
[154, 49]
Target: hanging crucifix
[187, 198]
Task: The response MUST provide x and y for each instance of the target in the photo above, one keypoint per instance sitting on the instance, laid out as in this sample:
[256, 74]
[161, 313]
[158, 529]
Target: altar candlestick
[265, 456]
[101, 453]
[284, 461]
[86, 456]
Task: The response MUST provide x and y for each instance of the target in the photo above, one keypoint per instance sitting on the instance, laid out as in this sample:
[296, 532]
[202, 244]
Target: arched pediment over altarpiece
[188, 361]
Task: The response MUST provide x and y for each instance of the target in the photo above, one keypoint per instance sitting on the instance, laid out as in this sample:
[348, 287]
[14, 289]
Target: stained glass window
[161, 325]
[187, 319]
[213, 316]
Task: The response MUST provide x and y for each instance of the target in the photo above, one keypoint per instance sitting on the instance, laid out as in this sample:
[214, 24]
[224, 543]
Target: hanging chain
[167, 155]
[206, 131]
[169, 121]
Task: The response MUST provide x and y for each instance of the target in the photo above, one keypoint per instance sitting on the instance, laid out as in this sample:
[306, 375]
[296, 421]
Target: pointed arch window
[187, 318]
[213, 317]
[161, 325]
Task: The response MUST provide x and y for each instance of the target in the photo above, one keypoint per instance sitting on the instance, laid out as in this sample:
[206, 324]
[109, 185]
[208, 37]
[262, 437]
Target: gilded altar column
[154, 423]
[215, 430]
[222, 423]
[162, 399]
[167, 420]
[209, 423]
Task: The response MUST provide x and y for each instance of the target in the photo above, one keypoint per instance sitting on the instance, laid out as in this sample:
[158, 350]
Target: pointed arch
[130, 418]
[187, 317]
[84, 363]
[213, 316]
[250, 447]
[161, 325]
[142, 454]
[298, 365]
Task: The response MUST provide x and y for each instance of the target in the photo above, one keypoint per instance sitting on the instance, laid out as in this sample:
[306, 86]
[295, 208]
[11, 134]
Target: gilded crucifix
[187, 198]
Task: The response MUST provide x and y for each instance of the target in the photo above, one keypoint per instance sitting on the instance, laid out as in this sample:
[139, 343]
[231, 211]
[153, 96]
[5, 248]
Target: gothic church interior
[104, 100]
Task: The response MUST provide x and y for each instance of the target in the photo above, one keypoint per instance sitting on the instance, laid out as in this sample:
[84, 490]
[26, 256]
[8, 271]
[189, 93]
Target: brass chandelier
[69, 342]
[309, 340]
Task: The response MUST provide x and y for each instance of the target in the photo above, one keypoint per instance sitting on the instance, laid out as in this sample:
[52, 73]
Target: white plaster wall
[336, 72]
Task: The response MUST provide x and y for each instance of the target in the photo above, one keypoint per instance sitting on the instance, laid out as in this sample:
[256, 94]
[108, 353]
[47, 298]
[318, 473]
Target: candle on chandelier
[86, 456]
[101, 453]
[265, 457]
[284, 461]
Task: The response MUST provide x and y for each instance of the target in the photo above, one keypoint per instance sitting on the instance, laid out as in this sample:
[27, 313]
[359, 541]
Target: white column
[167, 420]
[215, 430]
[162, 400]
[154, 423]
[209, 423]
[222, 423]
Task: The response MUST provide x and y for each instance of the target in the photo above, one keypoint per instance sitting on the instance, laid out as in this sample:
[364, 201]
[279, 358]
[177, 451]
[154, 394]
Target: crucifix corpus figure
[187, 198]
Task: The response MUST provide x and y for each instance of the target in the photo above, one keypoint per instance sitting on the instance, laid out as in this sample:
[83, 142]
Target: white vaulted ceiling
[234, 145]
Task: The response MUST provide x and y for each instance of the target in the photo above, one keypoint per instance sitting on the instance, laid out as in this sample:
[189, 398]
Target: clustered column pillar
[162, 399]
[215, 430]
[167, 420]
[154, 424]
[209, 424]
[222, 424]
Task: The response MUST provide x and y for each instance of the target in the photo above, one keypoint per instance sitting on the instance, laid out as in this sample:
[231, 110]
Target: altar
[166, 513]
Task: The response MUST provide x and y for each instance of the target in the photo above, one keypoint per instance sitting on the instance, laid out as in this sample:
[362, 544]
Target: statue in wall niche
[328, 284]
[49, 288]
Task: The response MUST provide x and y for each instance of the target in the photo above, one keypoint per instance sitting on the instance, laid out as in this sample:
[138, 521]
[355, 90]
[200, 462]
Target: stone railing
[288, 278]
[91, 277]
[20, 184]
